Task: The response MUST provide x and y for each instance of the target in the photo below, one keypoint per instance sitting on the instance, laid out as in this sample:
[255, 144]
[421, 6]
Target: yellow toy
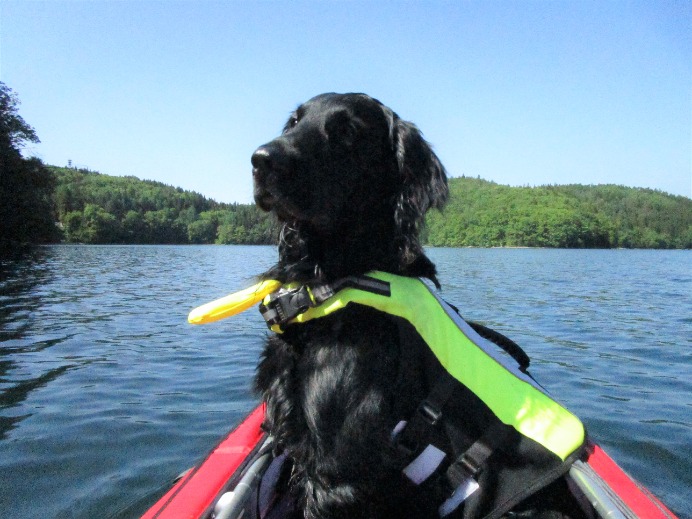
[233, 304]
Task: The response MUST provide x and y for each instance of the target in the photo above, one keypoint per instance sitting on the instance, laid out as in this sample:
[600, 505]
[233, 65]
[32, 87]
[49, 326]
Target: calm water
[106, 393]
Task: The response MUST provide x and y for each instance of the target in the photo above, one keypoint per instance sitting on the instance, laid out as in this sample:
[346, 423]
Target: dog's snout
[261, 159]
[270, 158]
[268, 165]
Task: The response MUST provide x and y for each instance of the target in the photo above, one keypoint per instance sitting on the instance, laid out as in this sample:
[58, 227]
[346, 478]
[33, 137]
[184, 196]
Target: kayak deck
[601, 487]
[195, 494]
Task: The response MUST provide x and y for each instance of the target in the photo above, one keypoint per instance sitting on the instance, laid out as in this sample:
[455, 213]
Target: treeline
[40, 204]
[95, 208]
[486, 214]
[26, 186]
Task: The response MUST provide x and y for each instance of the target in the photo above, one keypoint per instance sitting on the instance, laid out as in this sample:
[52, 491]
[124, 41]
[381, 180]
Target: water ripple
[106, 393]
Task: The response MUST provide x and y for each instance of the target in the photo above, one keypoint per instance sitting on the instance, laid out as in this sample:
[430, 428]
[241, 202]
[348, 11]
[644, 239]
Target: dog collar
[284, 304]
[296, 303]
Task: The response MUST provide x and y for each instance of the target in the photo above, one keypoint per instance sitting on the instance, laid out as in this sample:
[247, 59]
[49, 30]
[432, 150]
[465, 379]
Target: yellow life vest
[511, 394]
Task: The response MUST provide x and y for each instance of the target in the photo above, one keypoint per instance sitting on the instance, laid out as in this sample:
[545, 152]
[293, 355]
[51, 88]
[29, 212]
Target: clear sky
[518, 92]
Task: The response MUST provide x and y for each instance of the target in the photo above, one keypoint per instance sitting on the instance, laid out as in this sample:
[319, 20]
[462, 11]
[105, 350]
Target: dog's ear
[423, 179]
[422, 172]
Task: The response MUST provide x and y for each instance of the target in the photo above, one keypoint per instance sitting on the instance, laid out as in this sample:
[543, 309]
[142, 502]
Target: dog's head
[346, 166]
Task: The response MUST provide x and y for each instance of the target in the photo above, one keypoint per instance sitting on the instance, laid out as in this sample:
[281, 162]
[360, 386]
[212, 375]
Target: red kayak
[222, 485]
[196, 493]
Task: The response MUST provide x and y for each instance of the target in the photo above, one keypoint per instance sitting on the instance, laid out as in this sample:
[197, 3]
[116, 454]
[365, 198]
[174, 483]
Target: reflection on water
[15, 395]
[106, 393]
[22, 274]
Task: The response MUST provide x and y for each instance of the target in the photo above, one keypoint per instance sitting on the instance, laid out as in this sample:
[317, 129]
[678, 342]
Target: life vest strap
[427, 416]
[424, 465]
[462, 474]
[508, 345]
[287, 303]
[471, 462]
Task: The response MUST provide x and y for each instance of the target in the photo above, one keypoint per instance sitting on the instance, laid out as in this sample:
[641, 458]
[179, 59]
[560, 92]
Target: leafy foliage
[96, 208]
[25, 184]
[485, 214]
[14, 131]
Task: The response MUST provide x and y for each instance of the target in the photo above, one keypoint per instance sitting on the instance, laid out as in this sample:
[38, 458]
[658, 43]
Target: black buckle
[462, 469]
[408, 441]
[405, 444]
[429, 412]
[284, 305]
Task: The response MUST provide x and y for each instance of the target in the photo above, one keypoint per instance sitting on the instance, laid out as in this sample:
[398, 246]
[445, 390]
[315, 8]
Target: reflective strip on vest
[511, 395]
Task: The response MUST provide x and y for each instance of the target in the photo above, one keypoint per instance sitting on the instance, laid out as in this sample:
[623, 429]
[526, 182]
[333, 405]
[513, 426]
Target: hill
[96, 208]
[486, 214]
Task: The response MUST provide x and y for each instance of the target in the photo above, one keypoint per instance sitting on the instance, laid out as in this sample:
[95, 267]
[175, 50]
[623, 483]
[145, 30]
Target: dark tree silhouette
[26, 185]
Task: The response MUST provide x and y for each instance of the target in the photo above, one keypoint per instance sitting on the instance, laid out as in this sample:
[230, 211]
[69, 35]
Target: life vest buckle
[430, 413]
[282, 306]
[462, 469]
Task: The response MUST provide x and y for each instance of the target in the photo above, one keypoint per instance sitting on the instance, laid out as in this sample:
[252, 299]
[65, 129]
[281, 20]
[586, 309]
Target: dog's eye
[292, 121]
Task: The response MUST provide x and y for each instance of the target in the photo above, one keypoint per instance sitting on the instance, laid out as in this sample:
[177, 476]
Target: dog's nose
[270, 158]
[265, 172]
[261, 160]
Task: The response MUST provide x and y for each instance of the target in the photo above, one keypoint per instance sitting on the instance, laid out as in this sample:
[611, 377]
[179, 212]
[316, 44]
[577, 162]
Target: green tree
[72, 225]
[479, 213]
[133, 228]
[14, 131]
[162, 227]
[201, 231]
[99, 225]
[26, 185]
[93, 225]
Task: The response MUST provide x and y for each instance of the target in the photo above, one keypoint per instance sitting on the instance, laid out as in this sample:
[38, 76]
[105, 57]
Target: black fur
[350, 182]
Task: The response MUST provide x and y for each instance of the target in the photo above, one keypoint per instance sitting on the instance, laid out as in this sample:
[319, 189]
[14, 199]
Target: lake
[106, 393]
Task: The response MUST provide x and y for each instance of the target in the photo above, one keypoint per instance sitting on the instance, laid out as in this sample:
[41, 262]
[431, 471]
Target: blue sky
[521, 93]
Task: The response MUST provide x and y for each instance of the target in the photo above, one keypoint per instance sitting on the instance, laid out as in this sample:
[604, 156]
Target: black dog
[350, 182]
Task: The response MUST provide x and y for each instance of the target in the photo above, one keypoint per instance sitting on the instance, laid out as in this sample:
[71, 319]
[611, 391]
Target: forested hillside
[95, 208]
[485, 214]
[45, 204]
